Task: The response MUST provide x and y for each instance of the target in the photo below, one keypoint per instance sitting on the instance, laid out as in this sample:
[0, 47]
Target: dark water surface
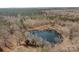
[48, 35]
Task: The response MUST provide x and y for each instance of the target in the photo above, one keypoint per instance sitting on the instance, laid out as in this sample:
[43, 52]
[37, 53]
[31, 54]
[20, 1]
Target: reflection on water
[47, 35]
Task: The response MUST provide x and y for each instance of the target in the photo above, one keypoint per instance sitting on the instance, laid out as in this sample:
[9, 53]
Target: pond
[47, 35]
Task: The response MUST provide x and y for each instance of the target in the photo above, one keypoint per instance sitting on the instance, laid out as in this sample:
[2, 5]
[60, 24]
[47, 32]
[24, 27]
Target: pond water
[48, 35]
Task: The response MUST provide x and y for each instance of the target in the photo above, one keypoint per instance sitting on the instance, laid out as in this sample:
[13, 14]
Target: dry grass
[13, 30]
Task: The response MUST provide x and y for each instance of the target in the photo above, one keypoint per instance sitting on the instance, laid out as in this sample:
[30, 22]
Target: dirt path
[42, 27]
